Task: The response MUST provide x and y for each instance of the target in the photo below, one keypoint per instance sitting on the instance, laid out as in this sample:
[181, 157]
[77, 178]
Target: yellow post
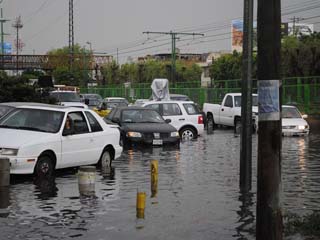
[154, 178]
[141, 204]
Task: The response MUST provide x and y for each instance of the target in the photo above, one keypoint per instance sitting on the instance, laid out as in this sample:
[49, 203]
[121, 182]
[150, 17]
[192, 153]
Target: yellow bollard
[141, 204]
[154, 178]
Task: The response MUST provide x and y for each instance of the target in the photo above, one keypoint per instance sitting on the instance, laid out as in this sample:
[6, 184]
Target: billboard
[298, 29]
[237, 35]
[7, 48]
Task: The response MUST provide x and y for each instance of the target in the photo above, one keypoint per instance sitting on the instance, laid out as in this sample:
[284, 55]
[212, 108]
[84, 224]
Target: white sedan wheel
[106, 160]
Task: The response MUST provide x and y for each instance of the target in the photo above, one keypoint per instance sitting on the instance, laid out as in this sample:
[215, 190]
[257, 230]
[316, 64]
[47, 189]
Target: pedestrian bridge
[50, 62]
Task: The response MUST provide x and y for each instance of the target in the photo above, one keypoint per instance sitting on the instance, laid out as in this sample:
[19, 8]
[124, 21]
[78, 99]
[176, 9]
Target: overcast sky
[109, 25]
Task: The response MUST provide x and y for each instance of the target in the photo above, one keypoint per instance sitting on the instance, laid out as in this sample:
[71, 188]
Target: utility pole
[2, 36]
[117, 56]
[71, 35]
[173, 48]
[246, 102]
[294, 21]
[18, 25]
[269, 214]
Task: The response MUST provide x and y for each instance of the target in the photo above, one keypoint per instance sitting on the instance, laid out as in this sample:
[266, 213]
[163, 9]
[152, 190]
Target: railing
[303, 91]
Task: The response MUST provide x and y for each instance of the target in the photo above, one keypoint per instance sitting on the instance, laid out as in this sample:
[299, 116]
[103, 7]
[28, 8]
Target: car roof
[289, 106]
[18, 104]
[48, 107]
[167, 101]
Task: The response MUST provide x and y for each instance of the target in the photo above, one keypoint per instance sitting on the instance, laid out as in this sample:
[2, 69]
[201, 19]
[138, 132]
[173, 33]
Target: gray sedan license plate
[157, 142]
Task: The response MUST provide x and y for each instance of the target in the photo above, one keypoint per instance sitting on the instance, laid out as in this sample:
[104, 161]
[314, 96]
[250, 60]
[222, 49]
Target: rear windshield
[66, 96]
[191, 108]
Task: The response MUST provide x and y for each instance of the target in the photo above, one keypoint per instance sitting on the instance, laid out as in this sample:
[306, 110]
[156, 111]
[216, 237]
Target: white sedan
[293, 123]
[39, 139]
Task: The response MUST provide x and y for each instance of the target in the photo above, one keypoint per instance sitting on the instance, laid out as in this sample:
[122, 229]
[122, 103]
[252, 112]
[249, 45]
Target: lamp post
[90, 45]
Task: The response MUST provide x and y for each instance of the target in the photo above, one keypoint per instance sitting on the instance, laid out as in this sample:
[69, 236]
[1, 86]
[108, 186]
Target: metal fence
[303, 92]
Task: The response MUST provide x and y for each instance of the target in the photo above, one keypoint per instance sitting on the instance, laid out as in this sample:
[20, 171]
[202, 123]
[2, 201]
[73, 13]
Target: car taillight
[200, 120]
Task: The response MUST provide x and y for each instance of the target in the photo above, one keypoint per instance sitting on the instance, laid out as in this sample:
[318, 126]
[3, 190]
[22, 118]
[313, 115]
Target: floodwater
[197, 196]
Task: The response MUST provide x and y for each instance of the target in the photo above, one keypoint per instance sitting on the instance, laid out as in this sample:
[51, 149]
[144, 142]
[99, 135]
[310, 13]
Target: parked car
[139, 102]
[105, 107]
[143, 125]
[39, 139]
[68, 98]
[116, 99]
[229, 112]
[92, 99]
[293, 123]
[184, 115]
[179, 97]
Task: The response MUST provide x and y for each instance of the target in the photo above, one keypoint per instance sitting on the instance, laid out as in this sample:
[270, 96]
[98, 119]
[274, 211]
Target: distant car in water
[185, 116]
[105, 107]
[68, 98]
[116, 99]
[293, 123]
[92, 99]
[40, 139]
[140, 125]
[179, 97]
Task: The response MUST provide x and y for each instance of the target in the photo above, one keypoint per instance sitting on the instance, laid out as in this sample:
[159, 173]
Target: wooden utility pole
[246, 102]
[269, 215]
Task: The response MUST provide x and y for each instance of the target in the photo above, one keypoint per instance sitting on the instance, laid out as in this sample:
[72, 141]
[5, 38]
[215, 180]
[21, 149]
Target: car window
[191, 108]
[171, 109]
[94, 124]
[228, 102]
[79, 122]
[154, 107]
[4, 110]
[33, 120]
[290, 112]
[141, 116]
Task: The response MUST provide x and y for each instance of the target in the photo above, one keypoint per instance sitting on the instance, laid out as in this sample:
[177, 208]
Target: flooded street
[197, 196]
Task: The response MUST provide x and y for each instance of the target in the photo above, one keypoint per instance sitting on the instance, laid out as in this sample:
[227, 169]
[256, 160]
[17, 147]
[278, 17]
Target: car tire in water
[210, 123]
[105, 160]
[237, 125]
[44, 166]
[188, 133]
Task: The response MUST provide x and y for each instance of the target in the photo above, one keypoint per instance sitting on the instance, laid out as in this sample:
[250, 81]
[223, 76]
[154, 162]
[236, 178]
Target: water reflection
[197, 189]
[246, 229]
[46, 187]
[4, 201]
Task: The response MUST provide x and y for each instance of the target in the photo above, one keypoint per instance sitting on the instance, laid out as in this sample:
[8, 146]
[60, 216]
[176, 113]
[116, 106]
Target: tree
[227, 67]
[59, 59]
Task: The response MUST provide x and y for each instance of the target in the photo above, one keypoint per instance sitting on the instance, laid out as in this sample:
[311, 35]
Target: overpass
[50, 62]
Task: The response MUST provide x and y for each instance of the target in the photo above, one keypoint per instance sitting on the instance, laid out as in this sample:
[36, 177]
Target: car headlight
[302, 127]
[9, 151]
[134, 134]
[174, 134]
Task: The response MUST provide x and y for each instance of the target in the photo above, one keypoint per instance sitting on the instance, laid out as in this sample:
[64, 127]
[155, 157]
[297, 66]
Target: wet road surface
[197, 196]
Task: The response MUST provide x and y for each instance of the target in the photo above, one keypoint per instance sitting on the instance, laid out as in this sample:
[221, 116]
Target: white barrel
[86, 180]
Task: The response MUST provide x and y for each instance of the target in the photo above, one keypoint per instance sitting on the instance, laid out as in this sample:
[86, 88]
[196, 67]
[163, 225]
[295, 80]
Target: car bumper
[287, 132]
[200, 129]
[21, 165]
[118, 151]
[154, 142]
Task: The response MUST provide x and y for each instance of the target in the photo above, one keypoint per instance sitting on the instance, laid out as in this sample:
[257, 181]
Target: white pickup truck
[229, 112]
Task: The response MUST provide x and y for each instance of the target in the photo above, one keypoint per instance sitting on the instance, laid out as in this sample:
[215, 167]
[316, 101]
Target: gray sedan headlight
[9, 151]
[174, 134]
[134, 134]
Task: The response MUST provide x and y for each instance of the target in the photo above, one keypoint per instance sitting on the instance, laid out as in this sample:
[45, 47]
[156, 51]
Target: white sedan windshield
[33, 120]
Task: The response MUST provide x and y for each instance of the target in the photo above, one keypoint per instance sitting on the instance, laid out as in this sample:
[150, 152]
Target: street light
[89, 43]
